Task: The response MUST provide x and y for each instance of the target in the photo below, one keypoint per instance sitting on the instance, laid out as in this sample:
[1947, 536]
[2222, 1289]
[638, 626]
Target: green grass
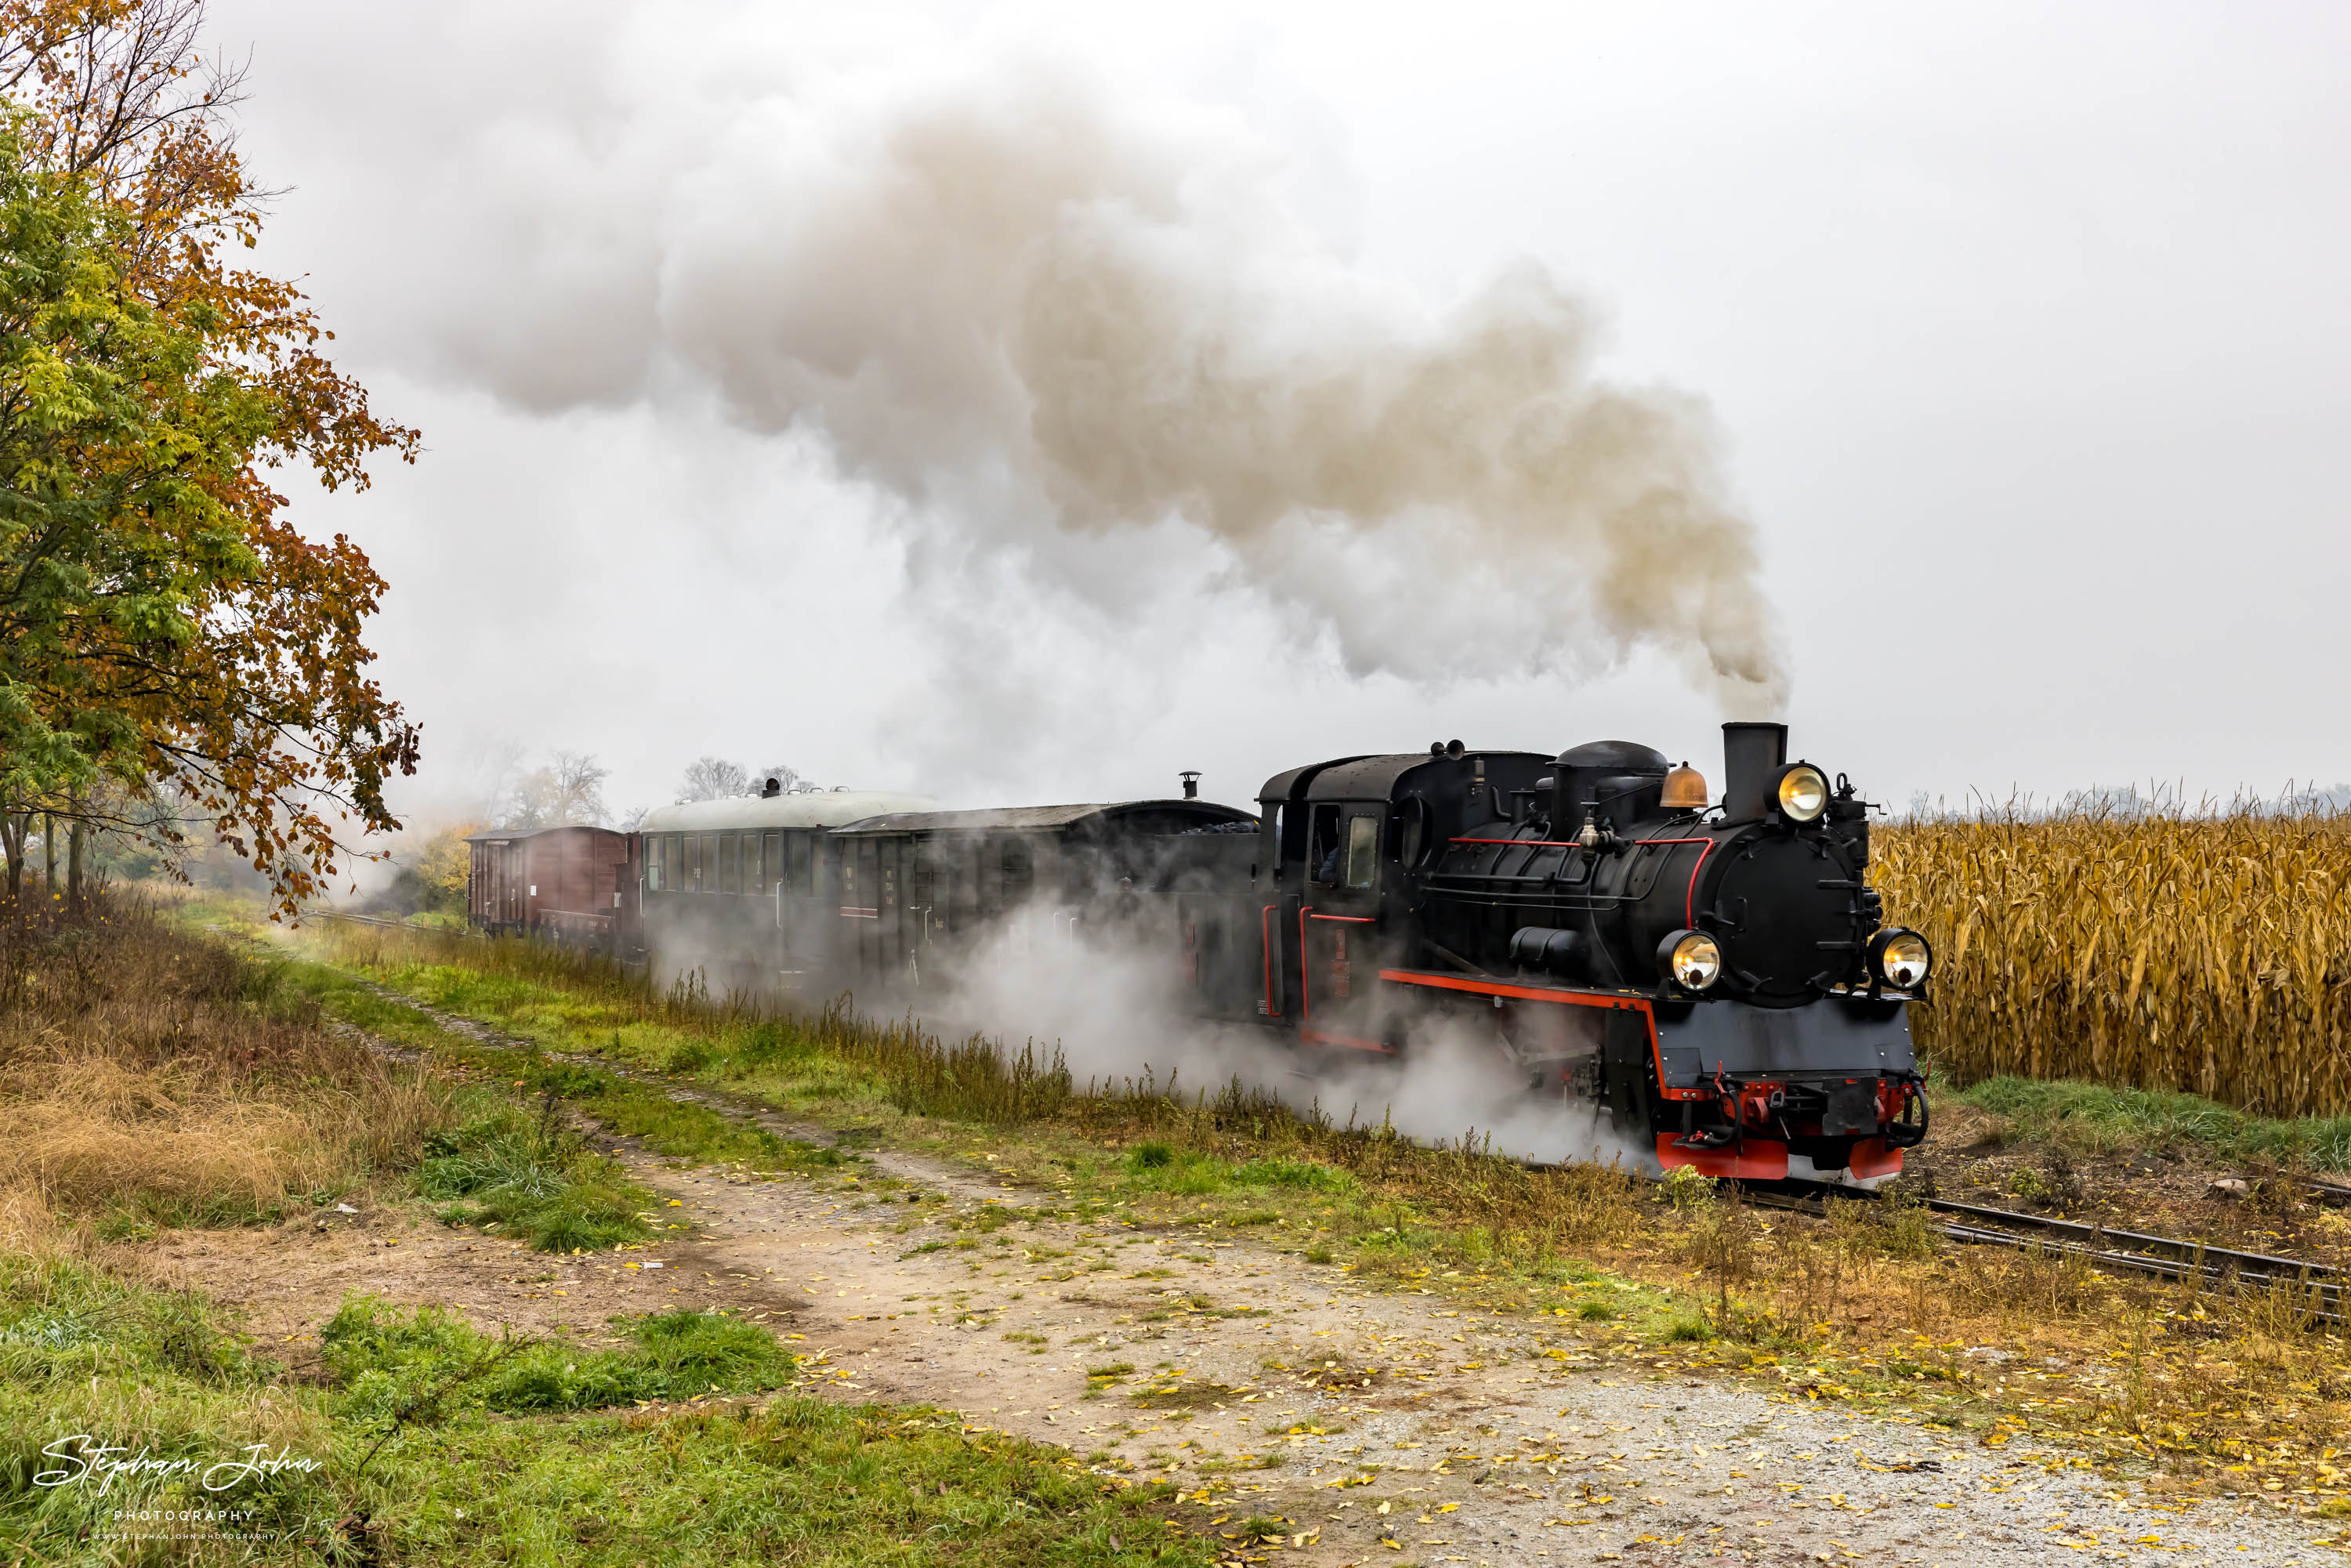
[502, 1171]
[433, 1444]
[385, 1360]
[633, 1109]
[2098, 1120]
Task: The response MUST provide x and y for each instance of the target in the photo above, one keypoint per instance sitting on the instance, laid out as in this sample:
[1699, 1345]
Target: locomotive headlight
[1803, 793]
[1690, 959]
[1900, 958]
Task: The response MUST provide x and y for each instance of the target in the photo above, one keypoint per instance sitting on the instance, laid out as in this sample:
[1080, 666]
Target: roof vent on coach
[772, 787]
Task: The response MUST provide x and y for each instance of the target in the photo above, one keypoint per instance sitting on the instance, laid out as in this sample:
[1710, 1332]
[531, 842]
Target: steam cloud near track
[1028, 320]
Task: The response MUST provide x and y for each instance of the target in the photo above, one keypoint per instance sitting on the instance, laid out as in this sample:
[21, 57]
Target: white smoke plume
[1033, 321]
[1114, 1011]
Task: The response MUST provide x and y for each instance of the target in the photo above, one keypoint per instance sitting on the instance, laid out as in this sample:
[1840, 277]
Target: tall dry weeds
[146, 1075]
[2208, 955]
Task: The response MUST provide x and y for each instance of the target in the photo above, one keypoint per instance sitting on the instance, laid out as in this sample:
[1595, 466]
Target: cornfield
[2204, 954]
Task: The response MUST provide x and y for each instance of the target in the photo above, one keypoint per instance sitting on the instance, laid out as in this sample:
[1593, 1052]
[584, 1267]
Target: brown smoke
[1028, 318]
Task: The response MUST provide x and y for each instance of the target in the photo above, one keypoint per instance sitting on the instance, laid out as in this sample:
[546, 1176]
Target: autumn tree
[162, 625]
[568, 790]
[440, 869]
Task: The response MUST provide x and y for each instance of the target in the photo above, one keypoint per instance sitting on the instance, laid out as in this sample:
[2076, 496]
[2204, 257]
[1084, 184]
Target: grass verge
[2094, 1118]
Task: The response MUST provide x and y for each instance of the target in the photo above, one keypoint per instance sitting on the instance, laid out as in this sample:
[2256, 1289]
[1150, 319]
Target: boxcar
[574, 885]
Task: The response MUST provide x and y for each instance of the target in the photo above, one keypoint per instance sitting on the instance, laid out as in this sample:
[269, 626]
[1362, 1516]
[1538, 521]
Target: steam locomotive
[1715, 978]
[1710, 979]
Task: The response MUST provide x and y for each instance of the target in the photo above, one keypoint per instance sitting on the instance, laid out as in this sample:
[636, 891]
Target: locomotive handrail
[1265, 944]
[1305, 1003]
[1689, 903]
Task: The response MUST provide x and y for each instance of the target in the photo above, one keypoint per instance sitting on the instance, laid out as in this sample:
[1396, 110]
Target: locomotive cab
[1344, 847]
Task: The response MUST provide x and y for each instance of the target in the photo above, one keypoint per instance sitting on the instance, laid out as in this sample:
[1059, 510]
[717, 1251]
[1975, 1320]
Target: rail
[354, 919]
[2213, 1270]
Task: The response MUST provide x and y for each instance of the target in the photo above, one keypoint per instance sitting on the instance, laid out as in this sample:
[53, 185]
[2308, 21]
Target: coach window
[653, 865]
[690, 877]
[730, 874]
[1363, 849]
[1323, 847]
[673, 861]
[755, 877]
[771, 861]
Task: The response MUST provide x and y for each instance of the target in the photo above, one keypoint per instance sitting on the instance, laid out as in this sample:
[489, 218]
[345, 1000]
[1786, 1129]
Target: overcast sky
[2008, 341]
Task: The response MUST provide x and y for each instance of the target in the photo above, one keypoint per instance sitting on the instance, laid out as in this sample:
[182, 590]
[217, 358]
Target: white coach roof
[815, 808]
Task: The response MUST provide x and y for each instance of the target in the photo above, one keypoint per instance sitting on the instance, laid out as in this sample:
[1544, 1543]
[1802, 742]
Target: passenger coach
[744, 894]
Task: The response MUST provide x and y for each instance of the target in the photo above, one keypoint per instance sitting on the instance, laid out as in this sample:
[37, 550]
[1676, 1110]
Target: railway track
[2332, 1193]
[2216, 1269]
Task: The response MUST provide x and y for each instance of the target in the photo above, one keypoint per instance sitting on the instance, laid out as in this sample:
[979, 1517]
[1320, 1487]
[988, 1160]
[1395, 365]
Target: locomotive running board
[1485, 987]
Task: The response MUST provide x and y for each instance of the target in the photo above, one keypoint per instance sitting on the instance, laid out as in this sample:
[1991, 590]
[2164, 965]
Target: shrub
[1686, 1187]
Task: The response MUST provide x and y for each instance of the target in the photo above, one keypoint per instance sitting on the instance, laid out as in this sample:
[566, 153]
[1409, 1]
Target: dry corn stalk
[2204, 954]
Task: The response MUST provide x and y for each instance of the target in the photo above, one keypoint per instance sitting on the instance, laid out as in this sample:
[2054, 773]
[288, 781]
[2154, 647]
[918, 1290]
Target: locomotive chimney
[1752, 756]
[1191, 786]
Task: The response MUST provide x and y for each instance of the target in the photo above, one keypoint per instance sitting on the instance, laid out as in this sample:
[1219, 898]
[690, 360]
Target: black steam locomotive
[1709, 980]
[1716, 976]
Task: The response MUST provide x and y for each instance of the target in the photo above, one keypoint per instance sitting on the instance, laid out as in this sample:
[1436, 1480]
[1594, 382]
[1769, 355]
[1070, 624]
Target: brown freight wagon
[575, 885]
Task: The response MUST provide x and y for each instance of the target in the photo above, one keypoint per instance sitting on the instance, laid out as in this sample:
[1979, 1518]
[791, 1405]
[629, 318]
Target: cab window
[1323, 848]
[1362, 850]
